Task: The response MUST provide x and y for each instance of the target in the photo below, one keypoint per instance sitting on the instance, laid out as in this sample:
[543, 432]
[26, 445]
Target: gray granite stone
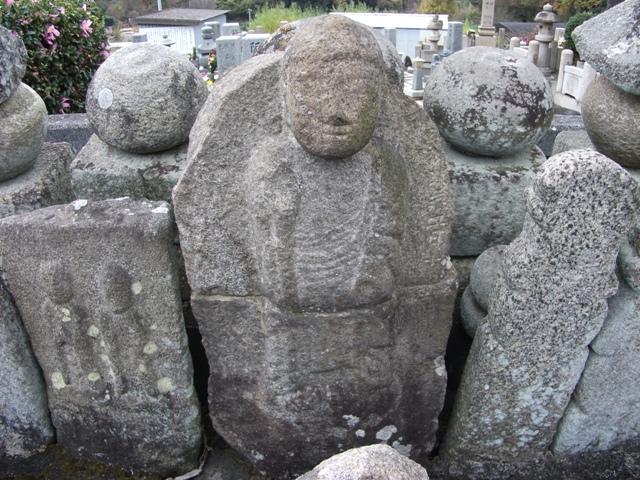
[321, 285]
[612, 119]
[100, 172]
[610, 42]
[25, 425]
[379, 462]
[548, 304]
[73, 128]
[13, 62]
[45, 184]
[604, 411]
[145, 98]
[98, 292]
[489, 102]
[23, 127]
[489, 195]
[572, 140]
[560, 123]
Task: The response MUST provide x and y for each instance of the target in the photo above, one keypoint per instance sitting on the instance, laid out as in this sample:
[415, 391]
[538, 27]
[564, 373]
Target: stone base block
[45, 184]
[101, 172]
[490, 201]
[571, 140]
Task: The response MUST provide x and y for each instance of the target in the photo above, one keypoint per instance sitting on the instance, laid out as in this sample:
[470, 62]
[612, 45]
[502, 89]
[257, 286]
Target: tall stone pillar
[486, 30]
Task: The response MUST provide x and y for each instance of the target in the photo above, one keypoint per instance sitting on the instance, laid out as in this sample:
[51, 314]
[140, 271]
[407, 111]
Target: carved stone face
[333, 89]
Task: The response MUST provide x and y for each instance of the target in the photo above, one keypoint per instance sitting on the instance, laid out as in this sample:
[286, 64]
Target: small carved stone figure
[314, 217]
[548, 303]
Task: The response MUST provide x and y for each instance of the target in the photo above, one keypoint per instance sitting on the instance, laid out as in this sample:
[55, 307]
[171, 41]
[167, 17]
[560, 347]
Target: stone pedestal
[100, 172]
[489, 192]
[46, 183]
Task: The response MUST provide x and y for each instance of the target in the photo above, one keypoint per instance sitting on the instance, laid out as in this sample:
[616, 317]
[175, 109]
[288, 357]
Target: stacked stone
[611, 105]
[141, 105]
[604, 412]
[491, 107]
[30, 177]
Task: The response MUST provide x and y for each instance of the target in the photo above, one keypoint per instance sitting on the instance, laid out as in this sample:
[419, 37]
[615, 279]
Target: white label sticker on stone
[105, 98]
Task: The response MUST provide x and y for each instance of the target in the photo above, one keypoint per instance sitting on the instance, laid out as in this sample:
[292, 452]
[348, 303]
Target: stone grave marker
[454, 37]
[229, 29]
[318, 254]
[548, 303]
[97, 288]
[250, 44]
[228, 52]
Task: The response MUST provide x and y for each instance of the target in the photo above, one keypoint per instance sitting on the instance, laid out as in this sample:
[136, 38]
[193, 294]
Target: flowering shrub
[65, 41]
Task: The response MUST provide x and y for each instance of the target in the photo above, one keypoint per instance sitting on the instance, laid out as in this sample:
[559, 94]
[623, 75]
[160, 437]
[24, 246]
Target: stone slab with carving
[100, 172]
[547, 305]
[314, 217]
[25, 424]
[610, 42]
[376, 461]
[97, 288]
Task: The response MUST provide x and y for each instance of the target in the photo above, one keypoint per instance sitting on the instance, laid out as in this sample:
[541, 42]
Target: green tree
[568, 8]
[448, 7]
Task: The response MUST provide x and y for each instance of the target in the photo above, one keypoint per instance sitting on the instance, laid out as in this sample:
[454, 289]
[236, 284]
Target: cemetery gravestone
[103, 312]
[547, 305]
[250, 44]
[454, 37]
[228, 52]
[229, 29]
[318, 255]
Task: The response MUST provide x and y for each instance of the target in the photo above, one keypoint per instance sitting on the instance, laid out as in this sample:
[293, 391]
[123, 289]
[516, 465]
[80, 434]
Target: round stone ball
[489, 102]
[612, 119]
[13, 62]
[23, 128]
[145, 98]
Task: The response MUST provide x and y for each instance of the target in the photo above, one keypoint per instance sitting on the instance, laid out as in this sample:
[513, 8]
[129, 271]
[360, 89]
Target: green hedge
[66, 42]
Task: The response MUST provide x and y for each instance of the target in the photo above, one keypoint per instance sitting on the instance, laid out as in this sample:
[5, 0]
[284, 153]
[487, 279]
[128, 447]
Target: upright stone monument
[97, 288]
[548, 303]
[454, 36]
[314, 216]
[486, 30]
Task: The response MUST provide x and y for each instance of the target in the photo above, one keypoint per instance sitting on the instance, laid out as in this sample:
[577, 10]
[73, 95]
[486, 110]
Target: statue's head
[333, 72]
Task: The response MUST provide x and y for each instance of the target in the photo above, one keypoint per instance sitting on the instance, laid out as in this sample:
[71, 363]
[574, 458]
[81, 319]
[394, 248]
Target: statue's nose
[338, 120]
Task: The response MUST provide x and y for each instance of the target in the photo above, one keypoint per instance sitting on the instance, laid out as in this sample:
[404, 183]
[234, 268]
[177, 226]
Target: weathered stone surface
[476, 298]
[572, 140]
[604, 410]
[45, 184]
[321, 286]
[13, 62]
[489, 102]
[549, 302]
[612, 119]
[72, 128]
[23, 127]
[280, 39]
[100, 172]
[144, 98]
[25, 425]
[610, 42]
[97, 289]
[489, 193]
[379, 462]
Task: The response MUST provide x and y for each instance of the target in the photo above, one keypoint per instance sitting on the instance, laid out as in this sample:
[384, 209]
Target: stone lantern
[204, 49]
[433, 33]
[545, 20]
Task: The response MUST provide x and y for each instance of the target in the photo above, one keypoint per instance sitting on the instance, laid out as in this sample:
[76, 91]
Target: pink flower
[86, 27]
[14, 33]
[35, 74]
[51, 34]
[62, 10]
[9, 2]
[53, 16]
[65, 102]
[105, 53]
